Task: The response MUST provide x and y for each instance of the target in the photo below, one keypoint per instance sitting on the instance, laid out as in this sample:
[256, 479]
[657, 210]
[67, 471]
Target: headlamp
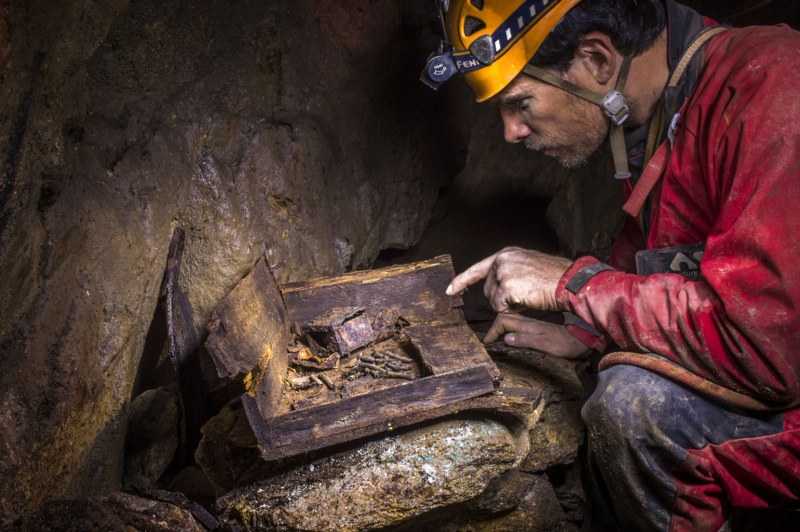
[485, 49]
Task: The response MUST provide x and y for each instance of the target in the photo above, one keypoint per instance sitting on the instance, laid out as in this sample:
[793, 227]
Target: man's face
[550, 120]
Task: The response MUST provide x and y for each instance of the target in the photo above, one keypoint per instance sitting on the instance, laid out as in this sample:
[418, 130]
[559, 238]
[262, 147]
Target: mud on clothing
[731, 182]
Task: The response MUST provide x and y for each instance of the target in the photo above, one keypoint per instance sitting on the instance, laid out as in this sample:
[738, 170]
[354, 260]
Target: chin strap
[613, 104]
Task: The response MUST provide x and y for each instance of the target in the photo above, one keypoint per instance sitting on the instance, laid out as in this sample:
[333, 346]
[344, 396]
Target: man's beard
[568, 156]
[574, 144]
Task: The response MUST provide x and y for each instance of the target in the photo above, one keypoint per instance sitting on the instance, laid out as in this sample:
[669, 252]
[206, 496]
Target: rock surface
[228, 452]
[152, 438]
[558, 433]
[538, 510]
[116, 512]
[122, 120]
[383, 483]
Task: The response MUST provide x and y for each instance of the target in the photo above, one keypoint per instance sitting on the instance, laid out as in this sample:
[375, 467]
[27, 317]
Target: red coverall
[731, 340]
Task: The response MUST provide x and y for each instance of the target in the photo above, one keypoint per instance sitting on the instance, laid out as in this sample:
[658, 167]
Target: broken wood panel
[248, 331]
[183, 349]
[415, 291]
[317, 427]
[449, 347]
[516, 401]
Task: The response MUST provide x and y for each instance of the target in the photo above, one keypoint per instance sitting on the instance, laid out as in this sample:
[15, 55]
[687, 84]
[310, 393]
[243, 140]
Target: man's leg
[655, 451]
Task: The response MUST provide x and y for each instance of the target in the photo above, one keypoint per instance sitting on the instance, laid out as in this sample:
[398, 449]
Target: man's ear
[598, 56]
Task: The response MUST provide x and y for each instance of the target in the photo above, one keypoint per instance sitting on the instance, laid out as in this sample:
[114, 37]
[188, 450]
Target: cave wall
[289, 128]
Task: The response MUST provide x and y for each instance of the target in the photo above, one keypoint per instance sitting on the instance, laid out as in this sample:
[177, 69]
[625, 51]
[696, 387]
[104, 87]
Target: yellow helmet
[491, 41]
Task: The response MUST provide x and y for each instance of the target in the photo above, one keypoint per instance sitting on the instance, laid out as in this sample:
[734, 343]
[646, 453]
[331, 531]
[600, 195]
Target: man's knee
[634, 404]
[629, 402]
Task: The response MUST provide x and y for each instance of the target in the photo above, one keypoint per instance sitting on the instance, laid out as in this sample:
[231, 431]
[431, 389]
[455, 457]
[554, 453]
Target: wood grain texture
[415, 291]
[368, 414]
[449, 347]
[249, 333]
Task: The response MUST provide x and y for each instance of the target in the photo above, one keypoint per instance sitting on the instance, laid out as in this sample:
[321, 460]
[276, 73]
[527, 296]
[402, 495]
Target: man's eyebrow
[508, 99]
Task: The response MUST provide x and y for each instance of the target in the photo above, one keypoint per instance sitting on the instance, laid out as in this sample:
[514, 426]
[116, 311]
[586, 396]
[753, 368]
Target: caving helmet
[491, 41]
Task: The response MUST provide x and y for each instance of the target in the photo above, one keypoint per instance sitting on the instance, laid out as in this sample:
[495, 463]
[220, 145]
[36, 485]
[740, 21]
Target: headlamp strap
[552, 79]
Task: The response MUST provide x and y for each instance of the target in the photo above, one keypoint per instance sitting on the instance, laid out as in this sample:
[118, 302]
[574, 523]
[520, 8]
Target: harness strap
[652, 173]
[699, 41]
[659, 121]
[656, 162]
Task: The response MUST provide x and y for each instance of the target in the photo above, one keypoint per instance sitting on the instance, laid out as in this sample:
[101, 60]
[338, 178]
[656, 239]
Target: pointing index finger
[471, 275]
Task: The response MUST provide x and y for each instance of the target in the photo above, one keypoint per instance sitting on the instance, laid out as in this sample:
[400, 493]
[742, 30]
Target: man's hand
[516, 278]
[549, 338]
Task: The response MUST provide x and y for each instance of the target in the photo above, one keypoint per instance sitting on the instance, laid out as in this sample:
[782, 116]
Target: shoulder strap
[655, 163]
[698, 42]
[660, 121]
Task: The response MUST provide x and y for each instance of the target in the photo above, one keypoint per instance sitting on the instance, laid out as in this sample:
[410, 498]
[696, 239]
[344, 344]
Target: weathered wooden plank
[415, 291]
[249, 335]
[514, 401]
[449, 347]
[314, 428]
[183, 349]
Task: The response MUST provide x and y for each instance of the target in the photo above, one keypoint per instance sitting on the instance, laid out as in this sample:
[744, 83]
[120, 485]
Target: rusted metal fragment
[354, 333]
[341, 329]
[385, 364]
[386, 323]
[314, 362]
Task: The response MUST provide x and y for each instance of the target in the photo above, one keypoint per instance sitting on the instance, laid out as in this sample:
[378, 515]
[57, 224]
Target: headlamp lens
[482, 49]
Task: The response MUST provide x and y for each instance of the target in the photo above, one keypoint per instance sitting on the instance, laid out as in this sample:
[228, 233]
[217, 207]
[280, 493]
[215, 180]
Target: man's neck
[648, 76]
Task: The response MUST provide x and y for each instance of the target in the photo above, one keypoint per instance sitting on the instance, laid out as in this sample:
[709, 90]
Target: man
[695, 418]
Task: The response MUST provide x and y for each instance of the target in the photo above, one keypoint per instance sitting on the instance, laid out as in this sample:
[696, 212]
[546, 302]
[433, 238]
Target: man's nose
[515, 129]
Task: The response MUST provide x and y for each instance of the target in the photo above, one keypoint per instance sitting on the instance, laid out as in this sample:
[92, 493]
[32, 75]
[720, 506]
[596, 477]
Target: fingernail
[449, 290]
[509, 339]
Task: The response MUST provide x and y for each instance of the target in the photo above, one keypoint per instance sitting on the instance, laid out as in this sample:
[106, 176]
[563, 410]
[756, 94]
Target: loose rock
[152, 437]
[383, 483]
[116, 512]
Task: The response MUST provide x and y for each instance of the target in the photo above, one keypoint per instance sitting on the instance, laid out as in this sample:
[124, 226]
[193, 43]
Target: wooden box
[253, 330]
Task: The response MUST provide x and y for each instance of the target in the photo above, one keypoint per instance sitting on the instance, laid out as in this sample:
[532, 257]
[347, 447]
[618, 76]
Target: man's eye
[520, 105]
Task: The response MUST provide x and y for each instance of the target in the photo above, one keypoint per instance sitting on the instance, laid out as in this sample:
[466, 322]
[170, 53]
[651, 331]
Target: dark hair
[633, 25]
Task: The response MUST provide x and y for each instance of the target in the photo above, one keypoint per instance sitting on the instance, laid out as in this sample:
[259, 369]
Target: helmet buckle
[616, 107]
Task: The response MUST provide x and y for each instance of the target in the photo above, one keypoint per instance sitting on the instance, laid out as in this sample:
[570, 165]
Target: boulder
[385, 482]
[152, 438]
[116, 512]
